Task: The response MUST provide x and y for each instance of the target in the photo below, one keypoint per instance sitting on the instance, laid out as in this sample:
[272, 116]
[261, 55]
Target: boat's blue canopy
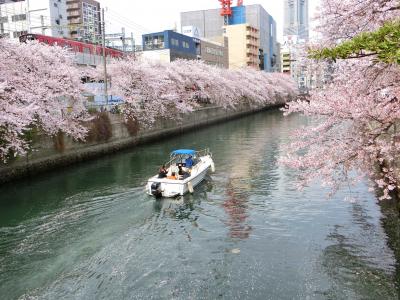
[183, 151]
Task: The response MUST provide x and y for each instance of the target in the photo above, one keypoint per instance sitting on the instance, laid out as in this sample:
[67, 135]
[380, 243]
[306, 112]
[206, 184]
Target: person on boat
[189, 162]
[182, 174]
[162, 173]
[180, 170]
[173, 176]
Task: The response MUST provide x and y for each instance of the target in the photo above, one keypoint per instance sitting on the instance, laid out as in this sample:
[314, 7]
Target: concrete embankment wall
[48, 154]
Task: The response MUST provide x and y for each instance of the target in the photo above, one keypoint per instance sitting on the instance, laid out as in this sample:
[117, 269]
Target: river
[90, 231]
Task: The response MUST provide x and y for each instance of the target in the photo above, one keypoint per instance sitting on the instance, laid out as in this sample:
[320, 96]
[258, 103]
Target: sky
[158, 15]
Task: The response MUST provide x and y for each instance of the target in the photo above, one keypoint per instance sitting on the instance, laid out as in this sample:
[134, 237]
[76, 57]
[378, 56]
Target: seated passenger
[189, 162]
[162, 173]
[173, 176]
[182, 174]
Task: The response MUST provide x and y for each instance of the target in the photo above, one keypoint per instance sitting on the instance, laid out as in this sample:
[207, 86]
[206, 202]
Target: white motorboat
[192, 166]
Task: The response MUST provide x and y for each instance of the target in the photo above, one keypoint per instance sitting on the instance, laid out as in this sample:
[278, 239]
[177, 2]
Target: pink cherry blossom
[354, 118]
[39, 86]
[153, 89]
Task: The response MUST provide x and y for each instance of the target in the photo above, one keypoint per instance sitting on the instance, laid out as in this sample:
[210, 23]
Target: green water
[90, 231]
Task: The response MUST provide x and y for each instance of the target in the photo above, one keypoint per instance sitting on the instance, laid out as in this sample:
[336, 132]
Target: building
[285, 61]
[169, 46]
[215, 53]
[296, 22]
[279, 56]
[211, 24]
[295, 33]
[84, 20]
[48, 17]
[9, 1]
[244, 46]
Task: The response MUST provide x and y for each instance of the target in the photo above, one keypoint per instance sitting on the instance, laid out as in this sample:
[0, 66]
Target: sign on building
[191, 31]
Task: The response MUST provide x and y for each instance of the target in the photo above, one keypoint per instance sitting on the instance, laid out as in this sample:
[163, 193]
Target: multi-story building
[211, 24]
[48, 17]
[212, 51]
[215, 53]
[278, 55]
[285, 61]
[295, 32]
[296, 19]
[169, 46]
[84, 20]
[244, 46]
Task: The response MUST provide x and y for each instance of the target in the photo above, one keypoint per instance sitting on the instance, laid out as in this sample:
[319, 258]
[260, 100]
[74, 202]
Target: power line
[129, 21]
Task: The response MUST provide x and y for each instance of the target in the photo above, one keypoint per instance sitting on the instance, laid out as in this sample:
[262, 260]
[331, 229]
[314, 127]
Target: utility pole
[28, 15]
[133, 46]
[104, 56]
[42, 24]
[123, 39]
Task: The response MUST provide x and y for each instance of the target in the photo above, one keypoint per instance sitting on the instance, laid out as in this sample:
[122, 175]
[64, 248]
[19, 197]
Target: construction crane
[226, 10]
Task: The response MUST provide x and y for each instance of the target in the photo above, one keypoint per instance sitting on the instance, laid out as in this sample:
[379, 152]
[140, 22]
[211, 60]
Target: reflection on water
[236, 209]
[90, 232]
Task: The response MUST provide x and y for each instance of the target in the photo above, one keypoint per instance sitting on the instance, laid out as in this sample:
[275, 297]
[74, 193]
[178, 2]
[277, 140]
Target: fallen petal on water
[235, 251]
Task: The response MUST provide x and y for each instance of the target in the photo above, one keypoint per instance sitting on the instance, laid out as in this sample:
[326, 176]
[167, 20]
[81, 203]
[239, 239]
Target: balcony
[252, 41]
[72, 6]
[252, 52]
[74, 13]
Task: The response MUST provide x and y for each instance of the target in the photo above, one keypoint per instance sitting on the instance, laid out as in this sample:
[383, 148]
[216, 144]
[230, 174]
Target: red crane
[226, 10]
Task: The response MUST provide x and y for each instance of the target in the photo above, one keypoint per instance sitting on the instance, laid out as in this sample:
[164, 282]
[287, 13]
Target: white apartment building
[48, 17]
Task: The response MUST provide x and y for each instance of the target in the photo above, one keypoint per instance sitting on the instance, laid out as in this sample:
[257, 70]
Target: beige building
[84, 20]
[215, 53]
[285, 61]
[244, 46]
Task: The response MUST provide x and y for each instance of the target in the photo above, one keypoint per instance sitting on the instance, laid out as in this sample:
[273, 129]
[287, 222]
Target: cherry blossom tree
[154, 89]
[355, 117]
[39, 87]
[340, 20]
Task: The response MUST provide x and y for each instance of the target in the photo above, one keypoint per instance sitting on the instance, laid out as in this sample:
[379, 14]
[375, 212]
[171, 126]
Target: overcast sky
[158, 15]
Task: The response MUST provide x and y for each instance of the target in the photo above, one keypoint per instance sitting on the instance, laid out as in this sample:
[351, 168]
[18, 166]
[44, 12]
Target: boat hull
[163, 187]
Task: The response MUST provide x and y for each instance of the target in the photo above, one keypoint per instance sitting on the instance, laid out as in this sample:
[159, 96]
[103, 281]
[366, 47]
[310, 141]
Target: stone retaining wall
[46, 156]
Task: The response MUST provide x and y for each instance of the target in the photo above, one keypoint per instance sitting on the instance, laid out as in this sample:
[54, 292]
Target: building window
[4, 19]
[158, 42]
[148, 43]
[16, 18]
[174, 42]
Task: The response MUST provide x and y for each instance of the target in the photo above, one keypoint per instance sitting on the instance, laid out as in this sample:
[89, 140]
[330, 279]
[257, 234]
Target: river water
[90, 231]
